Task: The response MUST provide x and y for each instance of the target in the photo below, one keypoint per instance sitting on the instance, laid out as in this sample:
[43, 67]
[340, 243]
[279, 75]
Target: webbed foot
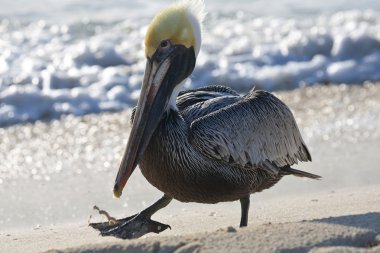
[131, 227]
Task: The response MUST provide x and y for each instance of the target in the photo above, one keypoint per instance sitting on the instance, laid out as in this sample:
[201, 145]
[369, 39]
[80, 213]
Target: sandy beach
[46, 200]
[344, 221]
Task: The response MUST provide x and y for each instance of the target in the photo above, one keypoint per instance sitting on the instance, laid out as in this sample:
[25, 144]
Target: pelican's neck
[173, 97]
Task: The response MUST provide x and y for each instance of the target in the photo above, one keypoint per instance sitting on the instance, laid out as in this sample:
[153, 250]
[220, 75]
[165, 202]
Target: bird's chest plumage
[175, 167]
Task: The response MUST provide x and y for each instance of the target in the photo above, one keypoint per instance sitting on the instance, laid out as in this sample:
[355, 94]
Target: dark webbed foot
[134, 226]
[131, 227]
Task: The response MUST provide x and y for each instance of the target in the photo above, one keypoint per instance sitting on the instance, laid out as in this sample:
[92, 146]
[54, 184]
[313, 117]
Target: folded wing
[257, 131]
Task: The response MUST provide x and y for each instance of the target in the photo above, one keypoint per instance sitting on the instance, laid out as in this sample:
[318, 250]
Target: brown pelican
[205, 145]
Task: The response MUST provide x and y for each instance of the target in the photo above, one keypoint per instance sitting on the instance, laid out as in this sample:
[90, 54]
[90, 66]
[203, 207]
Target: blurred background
[84, 60]
[75, 57]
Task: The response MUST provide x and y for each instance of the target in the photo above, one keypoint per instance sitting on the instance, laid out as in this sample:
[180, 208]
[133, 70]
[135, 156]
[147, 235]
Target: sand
[44, 206]
[348, 220]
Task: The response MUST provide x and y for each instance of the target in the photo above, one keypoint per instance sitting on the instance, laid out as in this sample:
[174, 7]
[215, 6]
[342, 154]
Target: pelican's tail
[287, 170]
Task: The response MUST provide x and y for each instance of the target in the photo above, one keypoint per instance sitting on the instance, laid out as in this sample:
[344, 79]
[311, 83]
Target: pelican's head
[179, 24]
[172, 43]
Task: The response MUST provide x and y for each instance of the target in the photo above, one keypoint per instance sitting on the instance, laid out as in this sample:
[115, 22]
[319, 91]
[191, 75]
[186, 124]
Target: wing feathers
[259, 130]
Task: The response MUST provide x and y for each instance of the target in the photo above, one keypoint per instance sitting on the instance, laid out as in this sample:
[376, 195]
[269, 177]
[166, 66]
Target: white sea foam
[49, 69]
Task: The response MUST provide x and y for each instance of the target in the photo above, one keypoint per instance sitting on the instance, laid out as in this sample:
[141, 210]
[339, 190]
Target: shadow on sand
[369, 223]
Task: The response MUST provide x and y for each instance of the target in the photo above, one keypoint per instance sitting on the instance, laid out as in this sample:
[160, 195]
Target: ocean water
[78, 57]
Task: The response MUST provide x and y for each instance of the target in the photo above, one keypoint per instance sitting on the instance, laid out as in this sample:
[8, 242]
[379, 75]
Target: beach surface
[54, 172]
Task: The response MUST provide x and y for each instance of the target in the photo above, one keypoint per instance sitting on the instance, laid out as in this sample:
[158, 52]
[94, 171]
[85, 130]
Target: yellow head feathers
[180, 23]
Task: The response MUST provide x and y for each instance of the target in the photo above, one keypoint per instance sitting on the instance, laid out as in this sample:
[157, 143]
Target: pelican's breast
[171, 164]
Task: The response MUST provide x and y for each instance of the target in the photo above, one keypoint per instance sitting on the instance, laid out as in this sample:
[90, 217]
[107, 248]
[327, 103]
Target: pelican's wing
[195, 103]
[189, 98]
[258, 131]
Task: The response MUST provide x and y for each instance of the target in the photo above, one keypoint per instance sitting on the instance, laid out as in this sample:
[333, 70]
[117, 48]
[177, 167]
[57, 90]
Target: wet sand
[53, 173]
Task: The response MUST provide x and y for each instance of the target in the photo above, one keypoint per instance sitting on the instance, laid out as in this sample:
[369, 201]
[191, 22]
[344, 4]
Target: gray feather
[258, 130]
[220, 146]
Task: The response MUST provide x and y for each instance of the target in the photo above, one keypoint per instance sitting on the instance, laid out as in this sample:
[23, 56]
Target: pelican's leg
[244, 202]
[136, 225]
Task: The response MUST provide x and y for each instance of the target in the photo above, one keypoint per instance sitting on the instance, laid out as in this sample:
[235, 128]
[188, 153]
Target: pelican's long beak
[167, 68]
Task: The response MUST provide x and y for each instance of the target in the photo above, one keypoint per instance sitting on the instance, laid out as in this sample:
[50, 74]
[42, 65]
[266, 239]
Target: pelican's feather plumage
[220, 140]
[258, 131]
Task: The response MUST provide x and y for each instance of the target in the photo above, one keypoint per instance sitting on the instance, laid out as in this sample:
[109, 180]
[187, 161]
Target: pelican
[206, 145]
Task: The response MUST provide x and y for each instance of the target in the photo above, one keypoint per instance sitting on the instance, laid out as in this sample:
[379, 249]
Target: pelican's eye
[165, 44]
[163, 50]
